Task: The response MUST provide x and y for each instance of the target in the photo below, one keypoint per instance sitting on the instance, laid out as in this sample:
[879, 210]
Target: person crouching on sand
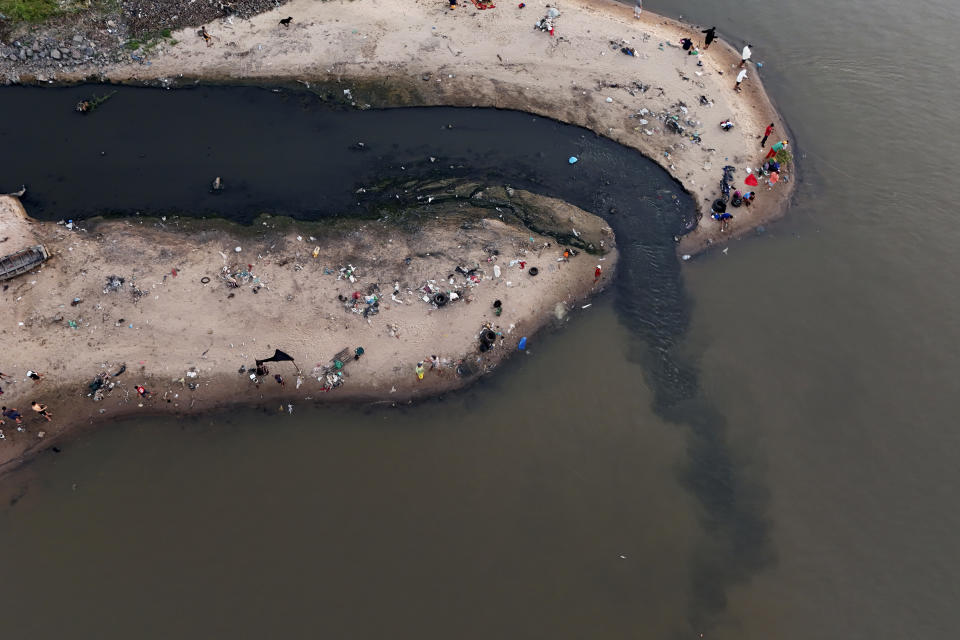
[41, 409]
[12, 414]
[740, 78]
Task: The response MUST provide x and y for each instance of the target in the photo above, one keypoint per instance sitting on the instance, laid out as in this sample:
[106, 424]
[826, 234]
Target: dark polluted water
[415, 512]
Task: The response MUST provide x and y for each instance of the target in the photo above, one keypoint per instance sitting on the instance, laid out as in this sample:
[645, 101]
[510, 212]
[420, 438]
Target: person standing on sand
[745, 56]
[740, 77]
[637, 9]
[597, 273]
[41, 409]
[766, 134]
[419, 370]
[776, 148]
[710, 37]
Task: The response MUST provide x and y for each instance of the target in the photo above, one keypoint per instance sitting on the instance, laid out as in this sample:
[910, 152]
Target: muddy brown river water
[754, 444]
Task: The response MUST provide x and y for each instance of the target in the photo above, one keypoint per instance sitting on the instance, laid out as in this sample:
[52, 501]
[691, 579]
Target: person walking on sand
[740, 78]
[435, 364]
[637, 9]
[597, 273]
[776, 148]
[766, 134]
[36, 377]
[710, 37]
[419, 370]
[745, 55]
[41, 409]
[279, 379]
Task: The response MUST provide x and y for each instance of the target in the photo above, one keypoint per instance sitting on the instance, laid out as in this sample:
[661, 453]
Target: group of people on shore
[770, 168]
[13, 414]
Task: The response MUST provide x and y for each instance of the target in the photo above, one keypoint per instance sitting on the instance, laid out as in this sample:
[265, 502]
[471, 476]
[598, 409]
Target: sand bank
[183, 331]
[382, 53]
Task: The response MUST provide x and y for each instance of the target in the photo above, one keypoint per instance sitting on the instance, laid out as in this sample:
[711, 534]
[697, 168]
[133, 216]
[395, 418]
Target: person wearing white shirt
[740, 77]
[745, 55]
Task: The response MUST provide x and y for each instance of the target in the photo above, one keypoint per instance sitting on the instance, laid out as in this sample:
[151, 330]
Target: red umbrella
[751, 180]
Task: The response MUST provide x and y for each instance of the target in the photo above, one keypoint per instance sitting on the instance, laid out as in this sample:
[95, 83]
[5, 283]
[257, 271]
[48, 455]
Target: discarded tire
[719, 206]
[484, 347]
[204, 279]
[441, 299]
[497, 304]
[488, 336]
[533, 271]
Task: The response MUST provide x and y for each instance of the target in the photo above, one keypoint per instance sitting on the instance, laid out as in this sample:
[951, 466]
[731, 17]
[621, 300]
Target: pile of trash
[546, 22]
[113, 284]
[487, 337]
[675, 120]
[364, 304]
[348, 272]
[101, 384]
[236, 276]
[331, 375]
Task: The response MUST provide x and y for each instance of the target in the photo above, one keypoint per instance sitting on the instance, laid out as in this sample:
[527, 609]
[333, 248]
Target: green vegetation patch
[30, 10]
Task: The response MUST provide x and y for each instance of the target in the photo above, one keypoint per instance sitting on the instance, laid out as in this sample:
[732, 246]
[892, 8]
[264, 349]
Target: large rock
[55, 54]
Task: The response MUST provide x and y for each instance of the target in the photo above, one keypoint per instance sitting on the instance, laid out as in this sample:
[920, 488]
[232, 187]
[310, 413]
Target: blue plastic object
[572, 160]
[523, 344]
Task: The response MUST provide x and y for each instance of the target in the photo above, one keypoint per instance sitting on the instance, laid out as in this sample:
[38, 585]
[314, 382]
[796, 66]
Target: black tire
[533, 271]
[440, 298]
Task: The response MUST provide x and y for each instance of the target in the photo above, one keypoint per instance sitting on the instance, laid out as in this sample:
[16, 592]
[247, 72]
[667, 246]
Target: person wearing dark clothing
[711, 35]
[686, 43]
[766, 134]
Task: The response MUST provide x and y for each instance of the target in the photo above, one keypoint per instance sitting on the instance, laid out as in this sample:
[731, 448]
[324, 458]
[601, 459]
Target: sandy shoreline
[387, 53]
[165, 325]
[183, 331]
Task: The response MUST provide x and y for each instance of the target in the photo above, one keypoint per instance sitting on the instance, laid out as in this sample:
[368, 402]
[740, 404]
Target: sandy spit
[177, 326]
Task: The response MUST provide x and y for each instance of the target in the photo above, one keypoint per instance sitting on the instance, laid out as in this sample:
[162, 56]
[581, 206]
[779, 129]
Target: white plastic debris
[238, 249]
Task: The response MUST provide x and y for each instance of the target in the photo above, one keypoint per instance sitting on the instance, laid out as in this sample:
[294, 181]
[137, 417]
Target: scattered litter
[573, 160]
